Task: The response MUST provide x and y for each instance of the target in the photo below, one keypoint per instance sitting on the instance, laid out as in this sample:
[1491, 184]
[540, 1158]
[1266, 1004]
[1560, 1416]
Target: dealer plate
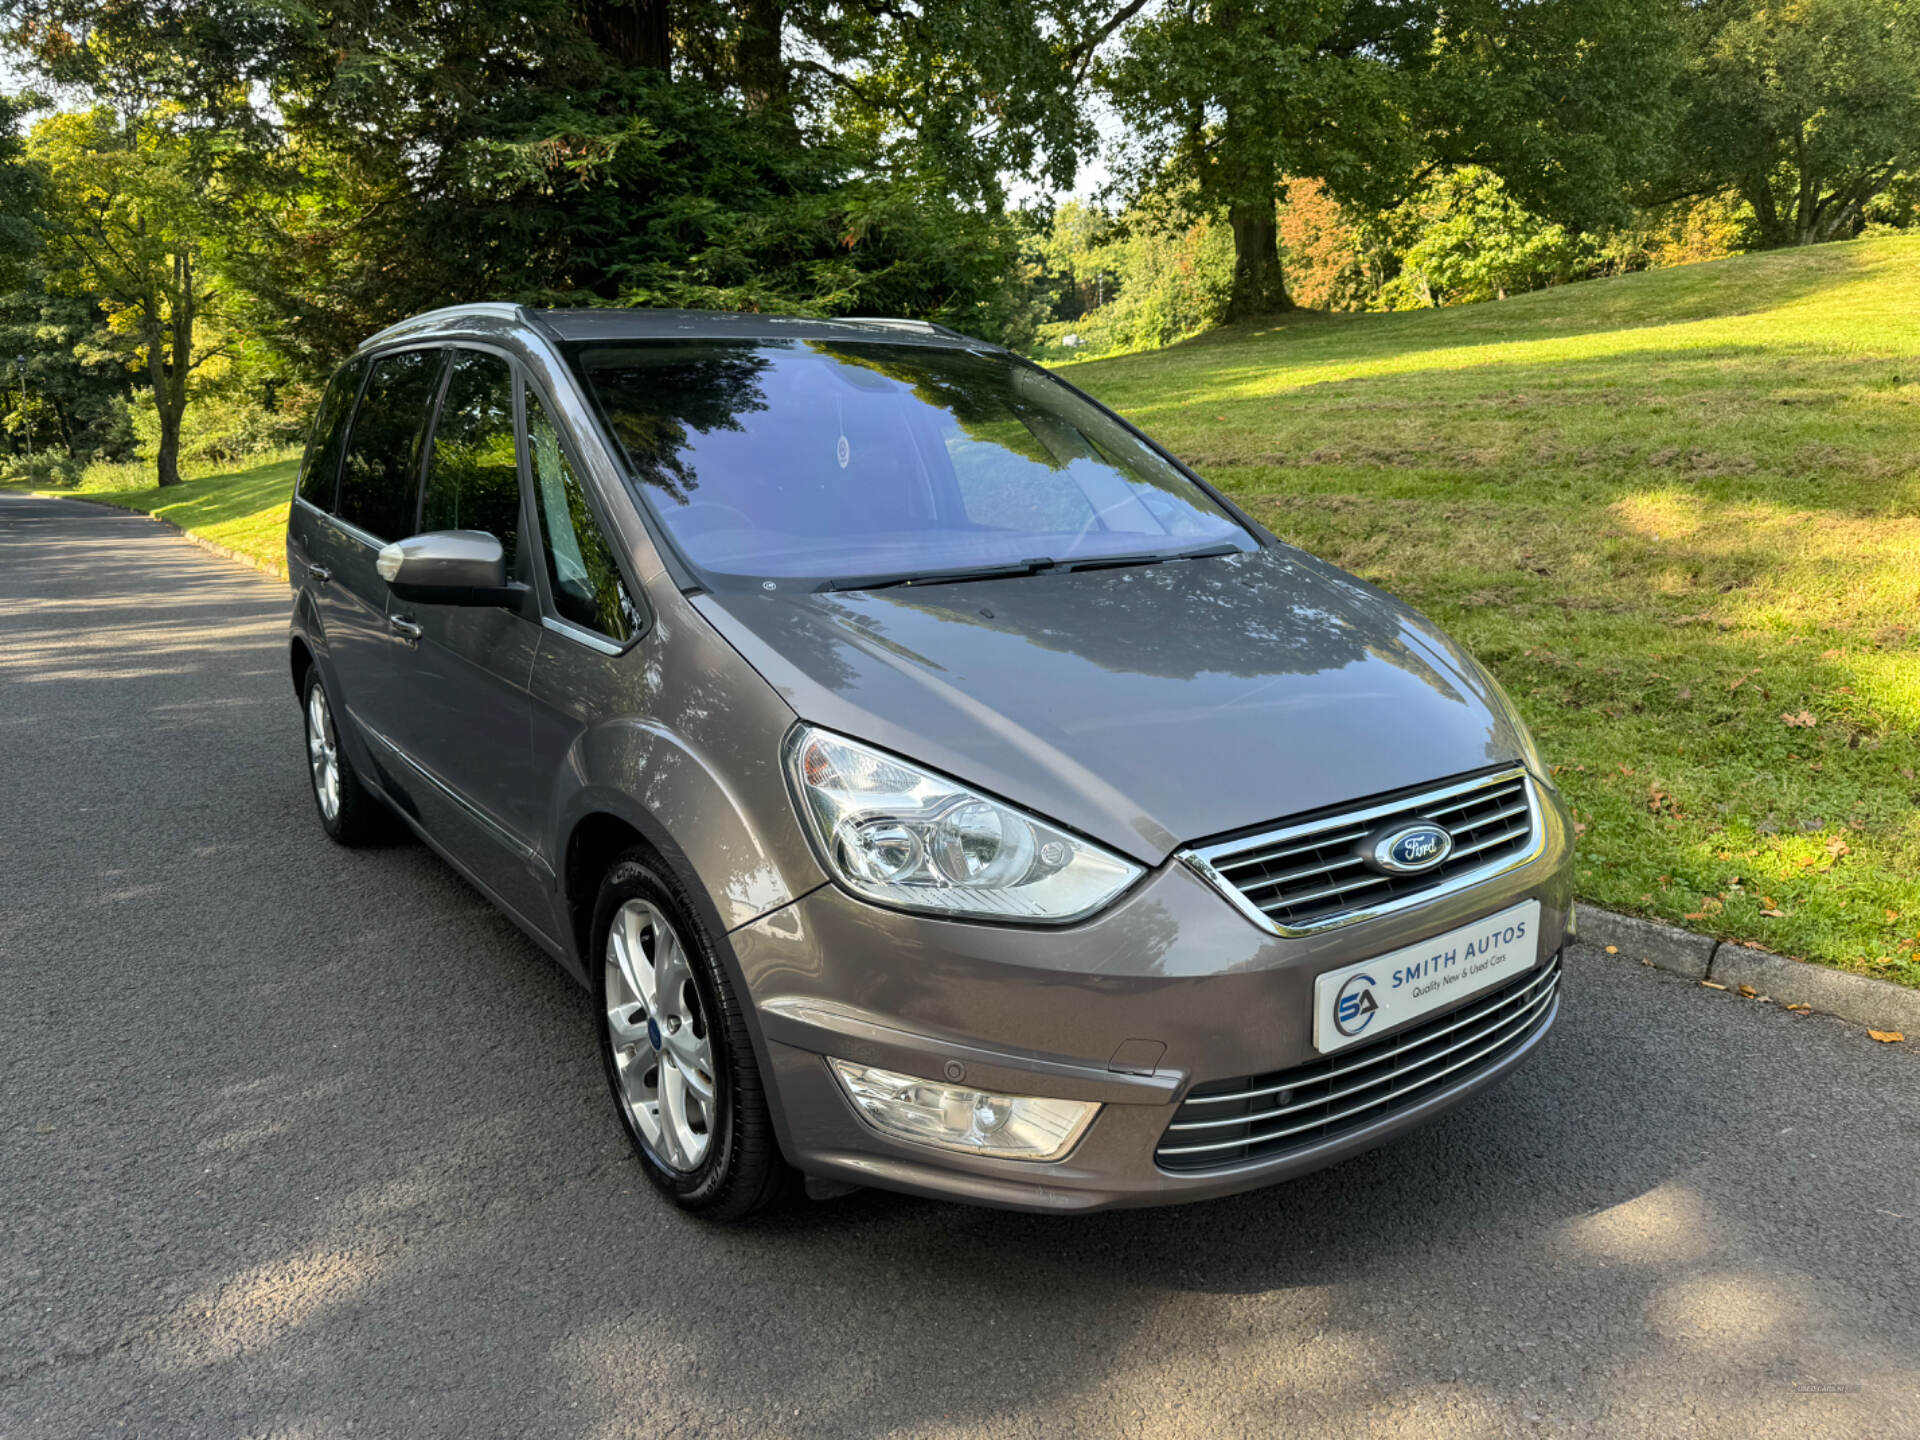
[1359, 1001]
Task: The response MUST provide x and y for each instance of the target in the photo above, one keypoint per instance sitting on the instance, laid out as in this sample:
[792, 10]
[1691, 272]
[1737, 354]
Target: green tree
[1467, 239]
[759, 154]
[1809, 109]
[126, 225]
[1371, 96]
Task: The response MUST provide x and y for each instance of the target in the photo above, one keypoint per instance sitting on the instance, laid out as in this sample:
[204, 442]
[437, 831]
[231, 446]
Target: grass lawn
[1678, 513]
[244, 510]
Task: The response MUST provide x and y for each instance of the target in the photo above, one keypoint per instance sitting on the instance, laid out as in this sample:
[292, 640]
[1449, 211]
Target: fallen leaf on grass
[1837, 847]
[1774, 914]
[1803, 721]
[1887, 1037]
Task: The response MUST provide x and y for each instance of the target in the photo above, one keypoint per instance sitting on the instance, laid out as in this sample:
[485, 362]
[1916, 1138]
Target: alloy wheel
[323, 752]
[662, 1047]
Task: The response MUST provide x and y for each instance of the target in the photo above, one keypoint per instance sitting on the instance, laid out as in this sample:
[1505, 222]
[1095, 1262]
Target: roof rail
[495, 309]
[923, 327]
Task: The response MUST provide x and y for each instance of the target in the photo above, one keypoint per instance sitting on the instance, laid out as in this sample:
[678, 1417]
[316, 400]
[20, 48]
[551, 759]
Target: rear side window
[329, 430]
[473, 478]
[587, 588]
[379, 479]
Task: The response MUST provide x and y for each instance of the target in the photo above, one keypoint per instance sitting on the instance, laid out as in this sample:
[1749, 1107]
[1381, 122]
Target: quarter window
[329, 430]
[380, 477]
[473, 478]
[587, 588]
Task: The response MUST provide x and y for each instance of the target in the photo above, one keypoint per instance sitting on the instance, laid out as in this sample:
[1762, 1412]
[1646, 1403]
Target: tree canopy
[284, 179]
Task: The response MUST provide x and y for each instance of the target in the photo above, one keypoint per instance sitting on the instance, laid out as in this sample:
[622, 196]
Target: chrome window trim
[1200, 859]
[592, 639]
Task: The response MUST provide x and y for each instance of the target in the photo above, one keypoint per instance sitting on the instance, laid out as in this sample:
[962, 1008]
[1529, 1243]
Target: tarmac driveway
[307, 1142]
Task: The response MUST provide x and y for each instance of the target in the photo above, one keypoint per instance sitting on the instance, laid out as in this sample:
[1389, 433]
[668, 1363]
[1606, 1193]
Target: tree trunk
[1252, 190]
[1259, 287]
[170, 371]
[637, 34]
[1758, 193]
[758, 66]
[168, 459]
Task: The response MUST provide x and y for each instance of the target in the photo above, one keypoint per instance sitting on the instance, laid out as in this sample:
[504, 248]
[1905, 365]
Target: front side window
[587, 588]
[380, 474]
[329, 430]
[473, 477]
[835, 460]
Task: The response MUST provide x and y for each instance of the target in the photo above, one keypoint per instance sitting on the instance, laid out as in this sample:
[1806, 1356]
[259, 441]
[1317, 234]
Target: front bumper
[1171, 988]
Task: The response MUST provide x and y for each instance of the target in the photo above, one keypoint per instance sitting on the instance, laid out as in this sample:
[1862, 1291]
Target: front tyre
[351, 814]
[677, 1055]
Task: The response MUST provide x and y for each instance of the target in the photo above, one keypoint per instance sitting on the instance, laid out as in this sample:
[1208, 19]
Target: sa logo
[1354, 1007]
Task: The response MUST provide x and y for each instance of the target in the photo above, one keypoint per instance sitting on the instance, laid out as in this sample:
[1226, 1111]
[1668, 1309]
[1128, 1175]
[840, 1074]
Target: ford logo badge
[1411, 849]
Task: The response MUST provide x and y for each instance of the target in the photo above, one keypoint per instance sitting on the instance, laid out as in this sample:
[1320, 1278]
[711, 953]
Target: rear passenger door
[465, 669]
[378, 498]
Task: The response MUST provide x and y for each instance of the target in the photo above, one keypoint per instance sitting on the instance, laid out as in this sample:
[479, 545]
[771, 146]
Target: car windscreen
[833, 461]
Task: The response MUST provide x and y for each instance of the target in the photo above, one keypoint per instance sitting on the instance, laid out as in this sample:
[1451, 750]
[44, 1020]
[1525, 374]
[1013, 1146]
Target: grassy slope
[1668, 510]
[244, 510]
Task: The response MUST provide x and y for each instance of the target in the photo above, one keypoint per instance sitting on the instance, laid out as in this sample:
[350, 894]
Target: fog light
[1014, 1127]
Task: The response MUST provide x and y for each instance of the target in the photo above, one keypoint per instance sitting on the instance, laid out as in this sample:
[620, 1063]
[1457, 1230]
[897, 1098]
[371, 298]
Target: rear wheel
[677, 1055]
[349, 811]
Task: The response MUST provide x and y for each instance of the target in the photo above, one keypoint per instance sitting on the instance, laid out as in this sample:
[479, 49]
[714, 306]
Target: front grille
[1224, 1123]
[1314, 875]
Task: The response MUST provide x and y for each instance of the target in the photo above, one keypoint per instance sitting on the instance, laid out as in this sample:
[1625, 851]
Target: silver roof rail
[920, 327]
[430, 319]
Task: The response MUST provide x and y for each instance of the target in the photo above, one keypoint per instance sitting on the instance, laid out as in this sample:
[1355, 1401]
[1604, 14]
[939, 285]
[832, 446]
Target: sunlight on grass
[244, 509]
[1678, 513]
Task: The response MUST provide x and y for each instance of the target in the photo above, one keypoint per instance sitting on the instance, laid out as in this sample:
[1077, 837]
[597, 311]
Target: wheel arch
[607, 826]
[300, 658]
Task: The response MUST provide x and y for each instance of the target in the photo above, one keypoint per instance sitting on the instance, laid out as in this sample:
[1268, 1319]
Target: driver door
[466, 725]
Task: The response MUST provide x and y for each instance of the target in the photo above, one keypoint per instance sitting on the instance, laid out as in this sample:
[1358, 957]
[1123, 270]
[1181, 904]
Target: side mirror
[448, 567]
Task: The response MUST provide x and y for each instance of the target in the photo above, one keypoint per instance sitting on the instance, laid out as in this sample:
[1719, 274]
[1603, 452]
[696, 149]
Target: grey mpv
[937, 784]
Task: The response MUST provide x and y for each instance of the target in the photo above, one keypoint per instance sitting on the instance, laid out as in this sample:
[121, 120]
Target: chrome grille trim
[1409, 1065]
[1540, 977]
[1508, 836]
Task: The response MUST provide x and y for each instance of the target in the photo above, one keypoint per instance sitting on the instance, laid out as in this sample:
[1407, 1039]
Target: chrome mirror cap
[446, 567]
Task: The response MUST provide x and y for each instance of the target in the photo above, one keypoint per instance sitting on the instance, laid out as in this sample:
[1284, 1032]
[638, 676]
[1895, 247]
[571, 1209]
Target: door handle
[319, 574]
[404, 628]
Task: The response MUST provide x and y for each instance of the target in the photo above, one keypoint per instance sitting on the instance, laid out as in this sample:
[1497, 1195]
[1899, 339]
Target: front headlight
[897, 835]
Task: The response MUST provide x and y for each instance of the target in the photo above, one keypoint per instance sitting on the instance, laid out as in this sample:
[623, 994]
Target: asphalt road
[308, 1142]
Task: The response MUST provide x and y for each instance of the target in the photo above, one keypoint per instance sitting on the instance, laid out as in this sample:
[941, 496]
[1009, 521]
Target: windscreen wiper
[1154, 557]
[941, 577]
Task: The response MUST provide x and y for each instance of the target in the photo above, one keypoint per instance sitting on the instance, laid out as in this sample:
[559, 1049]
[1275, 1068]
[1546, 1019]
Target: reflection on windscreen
[840, 460]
